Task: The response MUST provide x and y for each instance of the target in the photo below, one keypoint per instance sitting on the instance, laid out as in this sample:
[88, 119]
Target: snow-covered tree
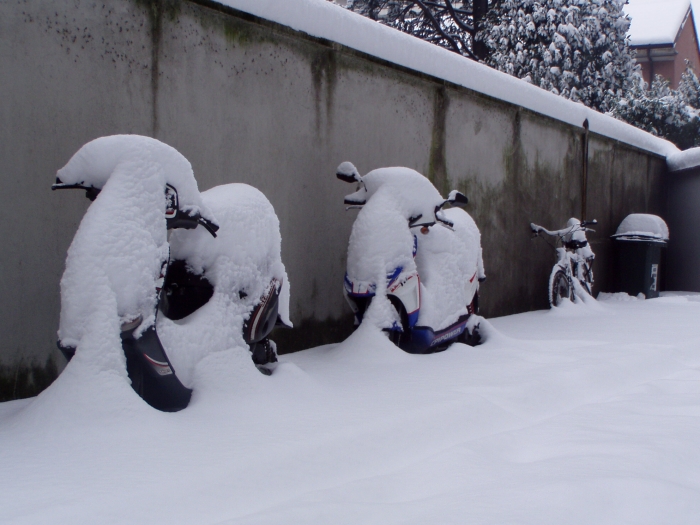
[665, 112]
[448, 23]
[575, 48]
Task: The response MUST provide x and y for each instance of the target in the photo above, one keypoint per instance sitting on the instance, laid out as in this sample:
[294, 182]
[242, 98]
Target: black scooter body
[151, 373]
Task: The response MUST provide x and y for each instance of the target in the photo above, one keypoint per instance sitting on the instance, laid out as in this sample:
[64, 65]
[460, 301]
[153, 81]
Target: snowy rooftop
[656, 21]
[327, 20]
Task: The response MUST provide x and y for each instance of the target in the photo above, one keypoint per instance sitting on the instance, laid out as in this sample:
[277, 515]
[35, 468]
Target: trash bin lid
[642, 227]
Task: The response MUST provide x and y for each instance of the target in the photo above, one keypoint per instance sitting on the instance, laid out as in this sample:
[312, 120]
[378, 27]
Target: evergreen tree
[665, 112]
[575, 48]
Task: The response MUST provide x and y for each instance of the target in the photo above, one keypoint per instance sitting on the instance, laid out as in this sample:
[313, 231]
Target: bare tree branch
[451, 24]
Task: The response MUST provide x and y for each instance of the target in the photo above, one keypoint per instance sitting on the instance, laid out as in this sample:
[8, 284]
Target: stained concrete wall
[247, 100]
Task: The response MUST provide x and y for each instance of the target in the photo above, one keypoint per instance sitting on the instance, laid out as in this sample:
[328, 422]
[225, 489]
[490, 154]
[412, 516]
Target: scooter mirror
[177, 219]
[345, 177]
[172, 204]
[457, 199]
[347, 172]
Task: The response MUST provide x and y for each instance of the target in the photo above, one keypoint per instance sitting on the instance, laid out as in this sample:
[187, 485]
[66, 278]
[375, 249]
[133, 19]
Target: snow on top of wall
[684, 160]
[327, 20]
[656, 21]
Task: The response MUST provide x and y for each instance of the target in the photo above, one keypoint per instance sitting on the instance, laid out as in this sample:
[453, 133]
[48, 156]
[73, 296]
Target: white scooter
[413, 267]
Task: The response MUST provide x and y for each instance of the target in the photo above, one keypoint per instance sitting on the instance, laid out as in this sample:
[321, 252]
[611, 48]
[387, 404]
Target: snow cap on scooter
[93, 164]
[416, 196]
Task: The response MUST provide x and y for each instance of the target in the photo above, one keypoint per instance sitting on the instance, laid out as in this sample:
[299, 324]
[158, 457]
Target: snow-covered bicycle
[572, 275]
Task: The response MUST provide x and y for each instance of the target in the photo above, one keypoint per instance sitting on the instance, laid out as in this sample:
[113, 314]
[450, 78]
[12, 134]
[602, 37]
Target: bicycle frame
[575, 266]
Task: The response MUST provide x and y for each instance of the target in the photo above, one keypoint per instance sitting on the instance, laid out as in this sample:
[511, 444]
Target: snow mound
[620, 297]
[592, 419]
[442, 255]
[642, 226]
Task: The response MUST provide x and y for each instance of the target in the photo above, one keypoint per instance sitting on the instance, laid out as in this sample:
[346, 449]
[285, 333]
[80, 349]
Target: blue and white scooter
[424, 260]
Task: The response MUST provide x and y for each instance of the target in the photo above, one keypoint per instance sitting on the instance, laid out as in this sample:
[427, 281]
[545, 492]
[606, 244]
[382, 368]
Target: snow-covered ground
[587, 414]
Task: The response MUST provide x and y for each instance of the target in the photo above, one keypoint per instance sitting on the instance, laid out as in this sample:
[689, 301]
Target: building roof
[656, 22]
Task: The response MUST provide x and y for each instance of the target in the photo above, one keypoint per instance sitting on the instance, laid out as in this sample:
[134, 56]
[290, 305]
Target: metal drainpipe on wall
[584, 171]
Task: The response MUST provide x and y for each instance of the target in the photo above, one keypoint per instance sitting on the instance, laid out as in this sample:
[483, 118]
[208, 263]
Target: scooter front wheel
[399, 337]
[559, 287]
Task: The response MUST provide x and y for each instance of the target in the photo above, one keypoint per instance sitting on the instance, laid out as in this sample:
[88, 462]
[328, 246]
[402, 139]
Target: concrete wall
[249, 101]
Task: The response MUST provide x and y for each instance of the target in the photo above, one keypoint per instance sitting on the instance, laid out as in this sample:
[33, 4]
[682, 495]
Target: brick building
[663, 32]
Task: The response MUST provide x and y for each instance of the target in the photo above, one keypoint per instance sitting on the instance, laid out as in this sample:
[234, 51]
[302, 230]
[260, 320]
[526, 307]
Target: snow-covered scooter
[118, 259]
[215, 293]
[232, 287]
[412, 266]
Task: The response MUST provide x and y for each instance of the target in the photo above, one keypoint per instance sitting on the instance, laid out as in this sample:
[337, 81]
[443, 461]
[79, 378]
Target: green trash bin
[640, 239]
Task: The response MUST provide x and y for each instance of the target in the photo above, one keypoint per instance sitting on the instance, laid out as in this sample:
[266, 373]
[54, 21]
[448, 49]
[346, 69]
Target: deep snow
[586, 414]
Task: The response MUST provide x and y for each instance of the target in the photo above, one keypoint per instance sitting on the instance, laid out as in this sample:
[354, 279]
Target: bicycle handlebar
[536, 229]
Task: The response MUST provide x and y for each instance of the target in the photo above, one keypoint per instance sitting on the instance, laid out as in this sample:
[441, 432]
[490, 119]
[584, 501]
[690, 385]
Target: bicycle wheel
[559, 287]
[587, 282]
[586, 286]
